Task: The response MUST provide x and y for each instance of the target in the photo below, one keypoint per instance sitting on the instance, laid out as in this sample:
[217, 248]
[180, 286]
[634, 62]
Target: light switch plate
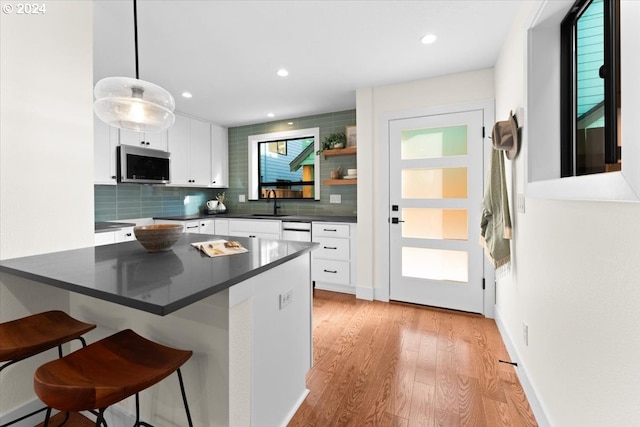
[335, 198]
[241, 198]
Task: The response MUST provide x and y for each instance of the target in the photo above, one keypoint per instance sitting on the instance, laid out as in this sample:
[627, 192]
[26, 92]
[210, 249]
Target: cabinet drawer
[331, 248]
[331, 271]
[327, 229]
[256, 234]
[262, 226]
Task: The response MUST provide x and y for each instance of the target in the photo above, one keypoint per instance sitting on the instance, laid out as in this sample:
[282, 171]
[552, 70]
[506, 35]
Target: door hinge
[483, 283]
[483, 131]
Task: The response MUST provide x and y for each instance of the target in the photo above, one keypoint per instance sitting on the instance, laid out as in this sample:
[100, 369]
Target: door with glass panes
[436, 188]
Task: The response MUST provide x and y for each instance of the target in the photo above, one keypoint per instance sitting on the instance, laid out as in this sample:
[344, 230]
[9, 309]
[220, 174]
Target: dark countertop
[111, 226]
[159, 283]
[282, 217]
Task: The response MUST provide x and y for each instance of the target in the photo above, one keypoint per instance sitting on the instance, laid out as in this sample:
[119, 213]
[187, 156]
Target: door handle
[395, 220]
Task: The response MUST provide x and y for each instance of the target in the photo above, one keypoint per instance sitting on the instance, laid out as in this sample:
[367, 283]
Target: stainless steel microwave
[143, 165]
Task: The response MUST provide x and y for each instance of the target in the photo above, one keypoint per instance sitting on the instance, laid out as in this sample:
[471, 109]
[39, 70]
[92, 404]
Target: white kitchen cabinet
[155, 140]
[263, 229]
[333, 262]
[124, 235]
[207, 226]
[190, 148]
[104, 238]
[105, 141]
[190, 226]
[219, 157]
[222, 226]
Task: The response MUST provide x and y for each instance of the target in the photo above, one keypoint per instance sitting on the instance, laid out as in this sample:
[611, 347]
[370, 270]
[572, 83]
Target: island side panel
[281, 350]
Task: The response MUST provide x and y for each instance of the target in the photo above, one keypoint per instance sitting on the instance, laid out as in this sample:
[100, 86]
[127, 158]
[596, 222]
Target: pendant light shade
[133, 104]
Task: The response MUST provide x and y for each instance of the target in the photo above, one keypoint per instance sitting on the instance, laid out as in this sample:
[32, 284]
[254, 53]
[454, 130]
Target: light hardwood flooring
[390, 364]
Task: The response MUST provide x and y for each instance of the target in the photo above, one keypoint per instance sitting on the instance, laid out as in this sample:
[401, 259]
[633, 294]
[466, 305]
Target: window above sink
[285, 164]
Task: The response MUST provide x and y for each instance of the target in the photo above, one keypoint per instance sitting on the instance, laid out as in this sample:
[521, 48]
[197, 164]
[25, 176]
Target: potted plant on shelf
[334, 140]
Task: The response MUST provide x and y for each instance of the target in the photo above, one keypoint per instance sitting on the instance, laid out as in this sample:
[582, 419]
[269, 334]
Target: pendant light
[134, 104]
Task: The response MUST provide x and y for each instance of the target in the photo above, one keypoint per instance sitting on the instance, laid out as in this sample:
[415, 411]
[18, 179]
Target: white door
[436, 190]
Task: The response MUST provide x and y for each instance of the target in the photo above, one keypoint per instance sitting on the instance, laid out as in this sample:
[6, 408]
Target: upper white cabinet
[190, 148]
[155, 140]
[219, 157]
[105, 141]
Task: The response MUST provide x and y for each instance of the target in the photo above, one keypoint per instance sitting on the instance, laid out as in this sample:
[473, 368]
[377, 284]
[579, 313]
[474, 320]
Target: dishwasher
[297, 231]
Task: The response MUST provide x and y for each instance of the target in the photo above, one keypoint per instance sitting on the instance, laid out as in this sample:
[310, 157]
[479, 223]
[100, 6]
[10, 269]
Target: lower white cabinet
[333, 262]
[115, 236]
[207, 226]
[263, 229]
[222, 226]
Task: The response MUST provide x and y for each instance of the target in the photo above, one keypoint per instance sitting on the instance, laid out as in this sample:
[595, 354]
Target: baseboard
[363, 292]
[523, 376]
[23, 410]
[295, 408]
[345, 289]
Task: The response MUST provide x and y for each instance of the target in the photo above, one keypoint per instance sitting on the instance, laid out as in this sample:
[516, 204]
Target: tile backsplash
[238, 164]
[128, 201]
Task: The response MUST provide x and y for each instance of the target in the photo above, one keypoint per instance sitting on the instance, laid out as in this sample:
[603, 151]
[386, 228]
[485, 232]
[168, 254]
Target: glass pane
[434, 142]
[590, 90]
[420, 223]
[286, 168]
[435, 264]
[440, 183]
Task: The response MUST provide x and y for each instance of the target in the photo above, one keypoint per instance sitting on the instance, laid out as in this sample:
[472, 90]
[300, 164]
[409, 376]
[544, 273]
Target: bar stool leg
[184, 398]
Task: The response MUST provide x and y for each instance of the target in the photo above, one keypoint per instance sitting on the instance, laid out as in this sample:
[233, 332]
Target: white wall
[372, 105]
[574, 279]
[46, 157]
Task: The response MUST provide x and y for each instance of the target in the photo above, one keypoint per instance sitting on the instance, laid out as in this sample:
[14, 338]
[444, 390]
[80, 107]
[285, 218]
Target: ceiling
[226, 53]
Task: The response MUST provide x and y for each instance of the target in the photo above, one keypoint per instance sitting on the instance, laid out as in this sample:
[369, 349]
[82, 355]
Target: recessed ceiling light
[271, 115]
[282, 72]
[187, 95]
[290, 123]
[428, 38]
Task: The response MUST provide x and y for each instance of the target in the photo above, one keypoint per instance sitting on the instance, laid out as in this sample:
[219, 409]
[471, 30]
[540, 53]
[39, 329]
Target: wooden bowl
[159, 237]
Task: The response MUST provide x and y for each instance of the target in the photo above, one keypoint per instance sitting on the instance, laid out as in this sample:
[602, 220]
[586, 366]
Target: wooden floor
[75, 420]
[390, 364]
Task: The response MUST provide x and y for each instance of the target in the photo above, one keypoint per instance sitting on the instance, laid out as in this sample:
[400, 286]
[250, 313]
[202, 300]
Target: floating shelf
[339, 151]
[340, 182]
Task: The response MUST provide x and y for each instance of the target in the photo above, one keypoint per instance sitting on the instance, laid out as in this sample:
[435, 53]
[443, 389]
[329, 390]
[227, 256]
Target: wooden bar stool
[31, 335]
[106, 372]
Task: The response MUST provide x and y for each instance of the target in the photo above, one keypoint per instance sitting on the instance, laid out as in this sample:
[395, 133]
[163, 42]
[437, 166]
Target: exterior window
[286, 168]
[590, 98]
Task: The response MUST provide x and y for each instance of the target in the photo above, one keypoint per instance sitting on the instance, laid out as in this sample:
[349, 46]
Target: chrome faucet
[275, 201]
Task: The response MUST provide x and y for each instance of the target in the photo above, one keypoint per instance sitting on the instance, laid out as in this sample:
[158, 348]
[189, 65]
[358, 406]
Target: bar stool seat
[31, 335]
[106, 372]
[28, 336]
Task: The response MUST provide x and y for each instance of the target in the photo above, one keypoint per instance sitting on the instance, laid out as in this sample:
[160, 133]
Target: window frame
[568, 93]
[254, 158]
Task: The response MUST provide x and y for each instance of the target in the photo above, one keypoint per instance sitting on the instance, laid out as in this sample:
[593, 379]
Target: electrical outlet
[525, 333]
[335, 198]
[242, 198]
[520, 202]
[286, 298]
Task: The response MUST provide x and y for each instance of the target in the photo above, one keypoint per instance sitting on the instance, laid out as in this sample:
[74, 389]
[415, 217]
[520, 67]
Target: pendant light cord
[135, 34]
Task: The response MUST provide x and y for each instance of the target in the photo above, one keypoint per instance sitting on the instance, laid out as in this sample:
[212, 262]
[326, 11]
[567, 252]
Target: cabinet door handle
[193, 226]
[331, 247]
[113, 177]
[252, 236]
[330, 271]
[128, 234]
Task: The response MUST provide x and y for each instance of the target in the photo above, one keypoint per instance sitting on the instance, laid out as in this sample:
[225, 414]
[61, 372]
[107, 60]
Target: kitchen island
[247, 317]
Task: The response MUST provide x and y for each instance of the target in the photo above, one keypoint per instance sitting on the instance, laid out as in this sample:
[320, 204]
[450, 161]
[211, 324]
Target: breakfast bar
[247, 318]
